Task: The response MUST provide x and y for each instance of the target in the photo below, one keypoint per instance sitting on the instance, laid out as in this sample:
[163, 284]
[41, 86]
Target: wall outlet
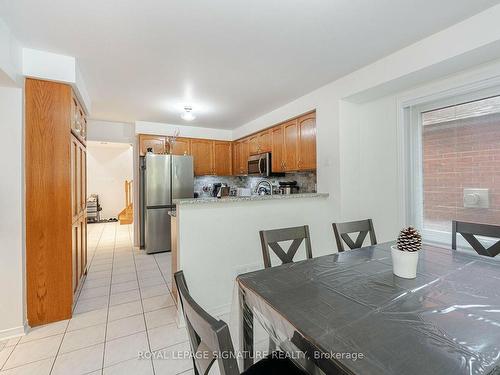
[476, 198]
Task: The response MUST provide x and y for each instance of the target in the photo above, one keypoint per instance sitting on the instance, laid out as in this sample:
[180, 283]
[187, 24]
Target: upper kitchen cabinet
[181, 146]
[259, 143]
[277, 154]
[155, 142]
[236, 158]
[222, 158]
[202, 151]
[244, 154]
[291, 145]
[307, 142]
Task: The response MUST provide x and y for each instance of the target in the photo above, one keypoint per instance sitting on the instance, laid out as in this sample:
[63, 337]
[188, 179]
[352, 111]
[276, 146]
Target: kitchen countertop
[190, 201]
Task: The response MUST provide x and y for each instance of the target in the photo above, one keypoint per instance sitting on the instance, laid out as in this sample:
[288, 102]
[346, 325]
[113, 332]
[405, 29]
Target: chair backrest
[207, 335]
[272, 238]
[342, 231]
[470, 230]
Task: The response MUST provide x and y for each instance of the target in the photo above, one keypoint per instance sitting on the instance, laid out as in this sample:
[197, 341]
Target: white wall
[108, 131]
[218, 241]
[56, 67]
[144, 127]
[12, 293]
[108, 166]
[357, 115]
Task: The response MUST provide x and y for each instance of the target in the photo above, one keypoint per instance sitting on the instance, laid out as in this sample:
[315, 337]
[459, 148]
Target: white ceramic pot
[404, 263]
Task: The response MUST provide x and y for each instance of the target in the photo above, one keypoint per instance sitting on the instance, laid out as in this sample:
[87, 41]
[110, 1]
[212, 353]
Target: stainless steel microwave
[260, 165]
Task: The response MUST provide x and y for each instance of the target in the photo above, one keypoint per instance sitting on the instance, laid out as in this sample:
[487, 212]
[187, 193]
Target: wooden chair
[342, 231]
[470, 230]
[210, 341]
[271, 239]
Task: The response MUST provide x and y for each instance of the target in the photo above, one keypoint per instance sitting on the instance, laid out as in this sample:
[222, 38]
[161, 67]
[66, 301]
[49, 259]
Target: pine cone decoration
[409, 240]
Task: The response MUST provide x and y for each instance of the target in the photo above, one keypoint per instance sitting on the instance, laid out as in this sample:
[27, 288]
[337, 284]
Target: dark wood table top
[446, 321]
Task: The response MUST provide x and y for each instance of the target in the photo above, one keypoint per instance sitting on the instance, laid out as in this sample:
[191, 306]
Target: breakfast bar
[218, 239]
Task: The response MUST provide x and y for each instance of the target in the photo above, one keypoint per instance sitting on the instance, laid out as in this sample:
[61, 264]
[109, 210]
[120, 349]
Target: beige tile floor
[125, 306]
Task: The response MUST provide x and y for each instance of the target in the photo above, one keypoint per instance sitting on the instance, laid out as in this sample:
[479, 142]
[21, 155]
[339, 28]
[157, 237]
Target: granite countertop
[187, 201]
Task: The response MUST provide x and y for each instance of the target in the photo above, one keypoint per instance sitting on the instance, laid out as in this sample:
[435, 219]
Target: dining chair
[362, 227]
[469, 231]
[210, 340]
[272, 238]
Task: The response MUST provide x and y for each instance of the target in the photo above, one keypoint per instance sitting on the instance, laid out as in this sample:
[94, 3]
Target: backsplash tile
[305, 180]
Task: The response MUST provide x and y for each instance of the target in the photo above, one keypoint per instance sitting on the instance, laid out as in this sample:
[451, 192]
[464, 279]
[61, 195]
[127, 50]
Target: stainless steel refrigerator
[163, 179]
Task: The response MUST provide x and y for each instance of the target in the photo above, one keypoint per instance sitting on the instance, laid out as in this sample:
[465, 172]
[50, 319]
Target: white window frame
[410, 150]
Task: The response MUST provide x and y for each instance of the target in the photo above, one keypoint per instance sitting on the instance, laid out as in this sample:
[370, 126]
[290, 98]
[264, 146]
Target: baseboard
[12, 332]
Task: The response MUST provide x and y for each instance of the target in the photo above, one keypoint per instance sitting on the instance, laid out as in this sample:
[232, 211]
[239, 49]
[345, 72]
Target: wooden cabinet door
[83, 180]
[78, 180]
[74, 153]
[291, 149]
[244, 154]
[307, 142]
[83, 245]
[181, 147]
[157, 143]
[74, 255]
[222, 158]
[202, 151]
[253, 145]
[277, 149]
[236, 158]
[265, 141]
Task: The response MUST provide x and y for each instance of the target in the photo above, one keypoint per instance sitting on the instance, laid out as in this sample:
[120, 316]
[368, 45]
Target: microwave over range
[261, 165]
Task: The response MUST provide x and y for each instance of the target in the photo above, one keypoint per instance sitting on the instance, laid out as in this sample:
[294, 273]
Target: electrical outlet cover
[476, 198]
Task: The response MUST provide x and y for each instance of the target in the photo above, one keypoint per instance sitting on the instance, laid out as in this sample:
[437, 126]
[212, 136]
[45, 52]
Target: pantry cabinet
[56, 192]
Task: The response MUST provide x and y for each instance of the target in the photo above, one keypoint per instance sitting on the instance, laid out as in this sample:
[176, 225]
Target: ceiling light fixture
[188, 114]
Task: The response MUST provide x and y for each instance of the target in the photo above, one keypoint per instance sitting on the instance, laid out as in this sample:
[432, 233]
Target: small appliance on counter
[243, 192]
[288, 187]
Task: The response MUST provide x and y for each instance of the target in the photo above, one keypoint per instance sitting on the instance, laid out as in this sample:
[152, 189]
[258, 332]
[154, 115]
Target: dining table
[347, 313]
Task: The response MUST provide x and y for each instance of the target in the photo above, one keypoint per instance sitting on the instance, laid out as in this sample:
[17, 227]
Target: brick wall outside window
[456, 155]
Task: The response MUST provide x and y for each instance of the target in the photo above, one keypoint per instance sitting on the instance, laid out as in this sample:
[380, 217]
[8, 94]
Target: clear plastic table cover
[446, 321]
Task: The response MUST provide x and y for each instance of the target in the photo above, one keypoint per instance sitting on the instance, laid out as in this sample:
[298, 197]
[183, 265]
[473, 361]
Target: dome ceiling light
[188, 114]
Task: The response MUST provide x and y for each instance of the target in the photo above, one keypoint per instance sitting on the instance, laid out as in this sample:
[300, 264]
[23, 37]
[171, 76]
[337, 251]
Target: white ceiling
[232, 60]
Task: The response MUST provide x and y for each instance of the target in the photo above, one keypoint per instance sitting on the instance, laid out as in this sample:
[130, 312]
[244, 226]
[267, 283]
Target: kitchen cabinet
[222, 158]
[253, 144]
[307, 142]
[236, 158]
[182, 146]
[259, 143]
[291, 145]
[244, 154]
[202, 152]
[55, 191]
[265, 141]
[277, 149]
[157, 143]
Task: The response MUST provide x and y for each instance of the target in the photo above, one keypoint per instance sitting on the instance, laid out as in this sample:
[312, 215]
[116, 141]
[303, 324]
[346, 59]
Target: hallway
[125, 307]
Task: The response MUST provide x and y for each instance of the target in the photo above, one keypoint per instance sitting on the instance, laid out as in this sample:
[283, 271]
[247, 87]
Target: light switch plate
[476, 198]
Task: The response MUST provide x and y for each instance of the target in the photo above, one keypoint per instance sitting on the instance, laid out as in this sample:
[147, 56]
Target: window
[455, 164]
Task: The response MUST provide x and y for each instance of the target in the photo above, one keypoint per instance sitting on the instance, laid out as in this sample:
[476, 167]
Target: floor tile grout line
[107, 312]
[163, 277]
[19, 341]
[77, 300]
[142, 303]
[88, 270]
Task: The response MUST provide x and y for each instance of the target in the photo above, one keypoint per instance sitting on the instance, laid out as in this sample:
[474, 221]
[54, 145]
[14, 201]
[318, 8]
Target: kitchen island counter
[218, 239]
[188, 201]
